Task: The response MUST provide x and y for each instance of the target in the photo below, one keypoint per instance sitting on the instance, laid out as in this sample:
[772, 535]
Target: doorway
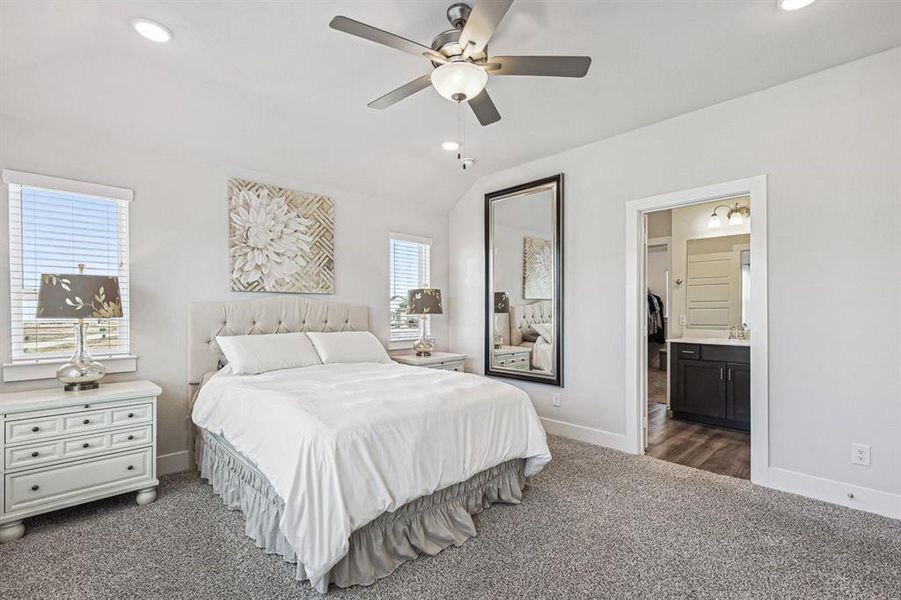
[690, 396]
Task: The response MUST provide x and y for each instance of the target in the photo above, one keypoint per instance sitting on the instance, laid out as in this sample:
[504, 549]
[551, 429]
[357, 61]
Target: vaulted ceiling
[269, 86]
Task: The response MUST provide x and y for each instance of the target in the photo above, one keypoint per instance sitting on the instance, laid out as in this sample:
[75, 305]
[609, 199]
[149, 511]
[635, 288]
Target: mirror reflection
[523, 329]
[719, 280]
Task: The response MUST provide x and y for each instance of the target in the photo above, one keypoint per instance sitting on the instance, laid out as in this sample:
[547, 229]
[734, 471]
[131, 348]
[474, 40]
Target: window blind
[409, 269]
[52, 231]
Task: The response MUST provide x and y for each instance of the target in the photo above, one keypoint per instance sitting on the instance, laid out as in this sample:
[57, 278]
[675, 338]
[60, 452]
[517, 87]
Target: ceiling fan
[459, 57]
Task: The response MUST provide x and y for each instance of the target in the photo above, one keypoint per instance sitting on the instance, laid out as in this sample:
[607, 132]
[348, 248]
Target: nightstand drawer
[85, 445]
[126, 438]
[33, 454]
[139, 413]
[33, 429]
[30, 488]
[515, 361]
[449, 365]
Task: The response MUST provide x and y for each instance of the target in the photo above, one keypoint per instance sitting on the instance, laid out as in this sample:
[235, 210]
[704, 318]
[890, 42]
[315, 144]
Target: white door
[643, 342]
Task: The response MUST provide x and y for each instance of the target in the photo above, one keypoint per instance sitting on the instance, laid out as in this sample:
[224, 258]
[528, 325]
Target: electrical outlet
[682, 320]
[860, 454]
[556, 400]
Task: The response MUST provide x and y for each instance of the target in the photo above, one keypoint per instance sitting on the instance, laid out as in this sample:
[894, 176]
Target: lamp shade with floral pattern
[78, 296]
[424, 301]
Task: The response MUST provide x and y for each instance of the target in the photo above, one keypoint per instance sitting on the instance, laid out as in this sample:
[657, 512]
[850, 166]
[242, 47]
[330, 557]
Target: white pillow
[349, 347]
[252, 354]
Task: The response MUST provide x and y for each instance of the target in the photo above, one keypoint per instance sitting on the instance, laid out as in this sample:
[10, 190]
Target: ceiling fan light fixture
[459, 81]
[790, 5]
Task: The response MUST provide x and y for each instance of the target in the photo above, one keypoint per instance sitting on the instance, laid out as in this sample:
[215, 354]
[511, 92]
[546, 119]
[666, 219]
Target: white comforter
[343, 443]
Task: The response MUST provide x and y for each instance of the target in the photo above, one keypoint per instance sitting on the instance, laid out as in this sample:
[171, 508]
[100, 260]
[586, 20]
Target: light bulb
[450, 145]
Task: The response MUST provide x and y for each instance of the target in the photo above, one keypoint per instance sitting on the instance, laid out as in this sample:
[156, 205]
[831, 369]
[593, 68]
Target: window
[409, 269]
[55, 224]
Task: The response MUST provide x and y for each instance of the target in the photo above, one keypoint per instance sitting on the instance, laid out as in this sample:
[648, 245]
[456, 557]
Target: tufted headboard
[281, 314]
[523, 315]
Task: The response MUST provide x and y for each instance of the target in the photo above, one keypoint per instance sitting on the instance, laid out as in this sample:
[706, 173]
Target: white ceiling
[270, 87]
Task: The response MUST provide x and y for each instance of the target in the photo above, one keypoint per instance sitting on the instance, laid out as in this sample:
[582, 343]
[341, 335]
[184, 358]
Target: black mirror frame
[557, 379]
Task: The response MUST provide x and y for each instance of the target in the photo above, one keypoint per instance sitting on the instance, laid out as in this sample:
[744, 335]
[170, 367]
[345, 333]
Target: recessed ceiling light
[794, 4]
[450, 145]
[151, 30]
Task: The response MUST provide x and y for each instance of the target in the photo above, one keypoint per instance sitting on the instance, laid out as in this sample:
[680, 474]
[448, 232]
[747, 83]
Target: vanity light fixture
[790, 5]
[450, 145]
[152, 30]
[736, 215]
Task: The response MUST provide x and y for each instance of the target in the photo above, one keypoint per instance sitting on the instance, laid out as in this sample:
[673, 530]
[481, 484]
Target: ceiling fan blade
[484, 108]
[395, 96]
[542, 66]
[379, 36]
[484, 19]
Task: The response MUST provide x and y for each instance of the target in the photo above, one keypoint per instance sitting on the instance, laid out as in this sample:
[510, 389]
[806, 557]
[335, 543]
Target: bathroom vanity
[710, 381]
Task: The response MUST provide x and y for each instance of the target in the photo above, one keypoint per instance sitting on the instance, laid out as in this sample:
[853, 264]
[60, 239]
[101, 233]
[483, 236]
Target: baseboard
[174, 462]
[598, 437]
[835, 492]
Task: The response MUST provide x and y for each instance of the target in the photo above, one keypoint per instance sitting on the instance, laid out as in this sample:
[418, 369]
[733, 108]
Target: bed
[350, 470]
[534, 318]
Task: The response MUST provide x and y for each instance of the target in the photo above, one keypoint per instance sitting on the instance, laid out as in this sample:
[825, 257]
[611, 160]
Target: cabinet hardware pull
[85, 445]
[35, 488]
[86, 421]
[130, 415]
[130, 467]
[34, 455]
[721, 373]
[688, 352]
[35, 429]
[131, 437]
[729, 374]
[87, 406]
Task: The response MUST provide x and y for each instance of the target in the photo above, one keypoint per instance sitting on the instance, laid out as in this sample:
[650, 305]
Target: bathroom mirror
[718, 281]
[524, 281]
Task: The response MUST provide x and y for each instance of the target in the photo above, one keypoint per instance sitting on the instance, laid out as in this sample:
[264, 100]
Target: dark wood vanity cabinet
[711, 384]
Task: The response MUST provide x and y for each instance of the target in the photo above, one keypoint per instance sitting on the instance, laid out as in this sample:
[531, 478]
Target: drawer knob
[87, 406]
[35, 488]
[34, 454]
[130, 415]
[86, 421]
[35, 429]
[131, 467]
[85, 445]
[131, 437]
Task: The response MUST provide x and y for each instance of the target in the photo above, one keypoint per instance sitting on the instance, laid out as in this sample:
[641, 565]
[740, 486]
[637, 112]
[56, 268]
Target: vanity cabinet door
[702, 389]
[738, 398]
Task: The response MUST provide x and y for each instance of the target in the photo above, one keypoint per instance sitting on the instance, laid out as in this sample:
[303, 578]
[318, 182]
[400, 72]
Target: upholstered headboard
[523, 315]
[281, 314]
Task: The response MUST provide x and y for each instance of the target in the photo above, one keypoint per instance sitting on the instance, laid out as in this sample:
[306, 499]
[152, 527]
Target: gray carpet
[594, 524]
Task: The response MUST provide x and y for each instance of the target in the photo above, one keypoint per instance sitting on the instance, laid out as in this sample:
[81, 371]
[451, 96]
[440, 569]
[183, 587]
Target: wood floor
[714, 449]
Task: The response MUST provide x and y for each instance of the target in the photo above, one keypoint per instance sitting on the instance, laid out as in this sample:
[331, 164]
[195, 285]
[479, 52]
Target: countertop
[710, 341]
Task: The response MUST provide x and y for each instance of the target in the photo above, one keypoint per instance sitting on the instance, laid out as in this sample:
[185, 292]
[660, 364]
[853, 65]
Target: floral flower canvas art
[537, 269]
[280, 240]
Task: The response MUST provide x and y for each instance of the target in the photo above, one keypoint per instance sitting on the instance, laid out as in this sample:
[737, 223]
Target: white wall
[179, 250]
[830, 144]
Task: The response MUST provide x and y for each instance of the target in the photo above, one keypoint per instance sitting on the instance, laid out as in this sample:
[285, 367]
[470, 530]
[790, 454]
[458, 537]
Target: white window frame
[27, 369]
[425, 269]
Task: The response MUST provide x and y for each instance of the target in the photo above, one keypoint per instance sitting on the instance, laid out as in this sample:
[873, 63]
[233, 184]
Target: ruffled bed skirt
[426, 525]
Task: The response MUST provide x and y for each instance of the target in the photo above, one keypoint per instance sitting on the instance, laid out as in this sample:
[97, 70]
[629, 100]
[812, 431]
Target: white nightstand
[511, 357]
[62, 448]
[446, 361]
